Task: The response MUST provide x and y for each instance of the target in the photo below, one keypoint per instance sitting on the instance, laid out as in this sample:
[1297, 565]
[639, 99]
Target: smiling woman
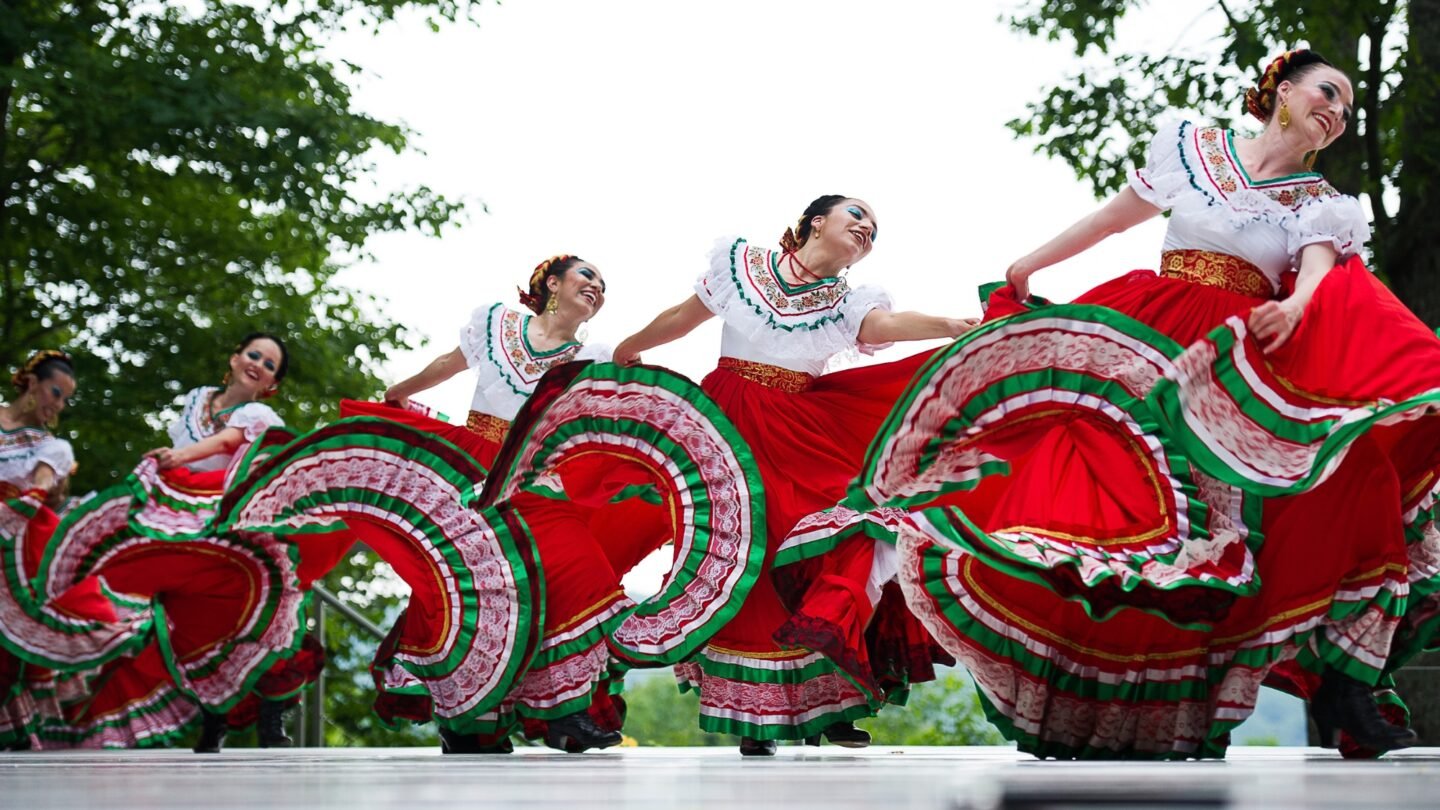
[33, 464]
[786, 313]
[1216, 476]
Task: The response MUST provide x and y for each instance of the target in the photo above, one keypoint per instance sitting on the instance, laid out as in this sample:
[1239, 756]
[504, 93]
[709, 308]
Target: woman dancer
[33, 463]
[786, 314]
[165, 552]
[472, 649]
[1122, 592]
[510, 351]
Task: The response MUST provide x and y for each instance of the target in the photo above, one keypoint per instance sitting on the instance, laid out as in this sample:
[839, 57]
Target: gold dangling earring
[552, 305]
[1310, 160]
[225, 381]
[1283, 117]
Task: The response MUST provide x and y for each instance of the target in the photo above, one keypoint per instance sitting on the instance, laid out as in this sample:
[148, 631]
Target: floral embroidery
[21, 442]
[524, 366]
[764, 268]
[1227, 174]
[782, 306]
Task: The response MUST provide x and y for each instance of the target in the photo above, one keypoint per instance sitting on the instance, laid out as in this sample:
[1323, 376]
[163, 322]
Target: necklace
[214, 421]
[796, 263]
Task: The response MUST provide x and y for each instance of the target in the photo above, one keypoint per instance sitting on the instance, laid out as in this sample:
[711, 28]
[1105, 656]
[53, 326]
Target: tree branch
[1374, 158]
[1229, 15]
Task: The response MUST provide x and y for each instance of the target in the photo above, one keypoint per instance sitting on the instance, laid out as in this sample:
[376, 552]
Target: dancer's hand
[392, 397]
[1273, 322]
[164, 457]
[963, 326]
[624, 355]
[1019, 280]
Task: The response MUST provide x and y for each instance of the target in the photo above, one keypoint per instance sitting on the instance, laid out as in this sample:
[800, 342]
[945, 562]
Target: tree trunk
[1412, 258]
[1343, 163]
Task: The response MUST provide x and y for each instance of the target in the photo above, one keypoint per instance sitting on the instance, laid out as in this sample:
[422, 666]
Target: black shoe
[22, 744]
[272, 725]
[212, 733]
[750, 747]
[845, 735]
[452, 742]
[1345, 704]
[577, 733]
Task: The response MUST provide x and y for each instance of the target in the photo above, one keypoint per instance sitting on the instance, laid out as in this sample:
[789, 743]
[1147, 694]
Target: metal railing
[312, 702]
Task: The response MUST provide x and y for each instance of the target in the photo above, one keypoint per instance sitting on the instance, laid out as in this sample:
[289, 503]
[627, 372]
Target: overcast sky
[635, 132]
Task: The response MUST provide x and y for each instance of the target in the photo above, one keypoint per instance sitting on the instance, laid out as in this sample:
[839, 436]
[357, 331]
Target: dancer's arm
[1123, 212]
[883, 326]
[1273, 322]
[672, 324]
[226, 441]
[43, 478]
[440, 369]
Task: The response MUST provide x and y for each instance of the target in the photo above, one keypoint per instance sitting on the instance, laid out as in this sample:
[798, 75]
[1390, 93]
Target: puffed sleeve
[1338, 221]
[858, 303]
[253, 418]
[1164, 178]
[475, 334]
[718, 288]
[58, 455]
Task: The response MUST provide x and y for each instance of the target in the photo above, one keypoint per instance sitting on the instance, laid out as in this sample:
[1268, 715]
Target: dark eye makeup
[590, 274]
[1331, 93]
[255, 355]
[854, 211]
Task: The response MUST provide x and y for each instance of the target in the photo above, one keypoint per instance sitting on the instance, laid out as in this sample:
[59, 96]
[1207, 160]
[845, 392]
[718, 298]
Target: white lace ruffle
[475, 337]
[1337, 220]
[815, 335]
[56, 454]
[1164, 181]
[253, 418]
[1167, 182]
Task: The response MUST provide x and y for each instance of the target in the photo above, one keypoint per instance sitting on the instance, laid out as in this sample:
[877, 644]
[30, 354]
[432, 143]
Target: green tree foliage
[943, 712]
[174, 175]
[658, 714]
[1099, 118]
[372, 589]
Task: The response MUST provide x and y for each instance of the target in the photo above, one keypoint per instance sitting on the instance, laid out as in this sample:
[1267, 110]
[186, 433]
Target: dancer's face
[51, 396]
[850, 227]
[581, 287]
[253, 368]
[1320, 104]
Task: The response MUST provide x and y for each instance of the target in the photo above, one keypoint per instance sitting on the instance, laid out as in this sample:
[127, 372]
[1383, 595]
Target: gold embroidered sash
[781, 379]
[1221, 270]
[490, 428]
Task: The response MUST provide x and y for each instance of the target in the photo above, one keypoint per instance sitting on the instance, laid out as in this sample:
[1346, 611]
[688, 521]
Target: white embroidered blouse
[24, 449]
[496, 344]
[768, 320]
[197, 424]
[1195, 173]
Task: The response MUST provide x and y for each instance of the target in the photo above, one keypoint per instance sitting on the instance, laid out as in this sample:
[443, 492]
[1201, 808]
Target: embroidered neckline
[520, 360]
[809, 308]
[197, 408]
[1289, 178]
[1225, 175]
[795, 289]
[530, 349]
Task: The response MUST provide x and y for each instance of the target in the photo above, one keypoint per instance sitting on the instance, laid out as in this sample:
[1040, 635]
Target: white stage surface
[830, 778]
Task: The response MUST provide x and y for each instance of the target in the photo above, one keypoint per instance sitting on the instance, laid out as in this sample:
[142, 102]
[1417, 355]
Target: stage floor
[831, 778]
